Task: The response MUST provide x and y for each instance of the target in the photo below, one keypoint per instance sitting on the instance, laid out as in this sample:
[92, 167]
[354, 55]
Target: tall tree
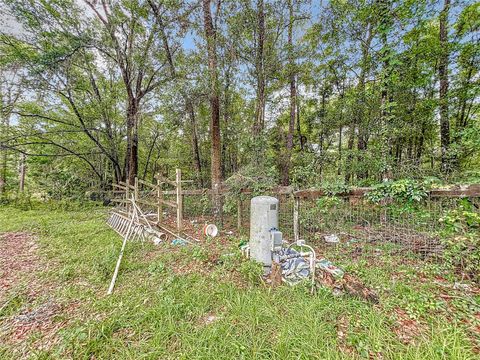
[260, 69]
[443, 89]
[132, 50]
[10, 91]
[210, 35]
[293, 97]
[187, 98]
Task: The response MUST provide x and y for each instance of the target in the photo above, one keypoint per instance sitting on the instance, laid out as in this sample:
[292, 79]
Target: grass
[184, 303]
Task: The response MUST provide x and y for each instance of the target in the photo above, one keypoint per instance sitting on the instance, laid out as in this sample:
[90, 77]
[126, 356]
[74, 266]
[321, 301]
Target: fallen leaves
[408, 330]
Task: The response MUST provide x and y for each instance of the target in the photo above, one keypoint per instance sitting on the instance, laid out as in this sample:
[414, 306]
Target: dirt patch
[342, 332]
[407, 329]
[208, 319]
[37, 319]
[18, 260]
[36, 314]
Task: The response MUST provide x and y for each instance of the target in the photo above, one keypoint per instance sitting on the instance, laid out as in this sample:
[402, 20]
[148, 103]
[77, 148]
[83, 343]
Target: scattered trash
[347, 284]
[294, 267]
[353, 241]
[337, 291]
[332, 239]
[245, 250]
[328, 266]
[157, 241]
[179, 242]
[210, 230]
[460, 286]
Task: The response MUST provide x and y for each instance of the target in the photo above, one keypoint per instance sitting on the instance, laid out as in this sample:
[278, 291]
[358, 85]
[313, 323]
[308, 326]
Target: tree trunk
[385, 52]
[409, 150]
[149, 155]
[260, 71]
[293, 95]
[131, 162]
[4, 155]
[419, 146]
[339, 168]
[187, 98]
[216, 168]
[350, 143]
[226, 164]
[360, 104]
[443, 91]
[301, 138]
[21, 173]
[195, 147]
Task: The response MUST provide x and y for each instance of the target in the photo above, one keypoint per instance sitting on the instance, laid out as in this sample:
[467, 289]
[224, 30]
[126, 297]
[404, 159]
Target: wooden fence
[155, 199]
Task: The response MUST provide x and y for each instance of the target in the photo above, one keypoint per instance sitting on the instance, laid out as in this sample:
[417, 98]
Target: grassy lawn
[205, 303]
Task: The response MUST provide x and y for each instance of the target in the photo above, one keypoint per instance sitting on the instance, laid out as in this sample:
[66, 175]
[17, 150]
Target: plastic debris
[210, 230]
[294, 267]
[245, 250]
[331, 239]
[461, 286]
[329, 267]
[179, 242]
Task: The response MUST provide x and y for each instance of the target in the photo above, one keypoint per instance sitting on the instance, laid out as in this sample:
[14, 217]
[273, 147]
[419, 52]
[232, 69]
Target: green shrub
[461, 230]
[406, 191]
[257, 179]
[251, 271]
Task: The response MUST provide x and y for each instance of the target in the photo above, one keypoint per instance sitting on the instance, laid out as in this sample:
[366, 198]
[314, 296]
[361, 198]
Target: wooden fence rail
[124, 191]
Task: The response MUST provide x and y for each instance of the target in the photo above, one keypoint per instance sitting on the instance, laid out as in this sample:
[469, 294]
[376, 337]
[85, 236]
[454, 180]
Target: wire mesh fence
[348, 226]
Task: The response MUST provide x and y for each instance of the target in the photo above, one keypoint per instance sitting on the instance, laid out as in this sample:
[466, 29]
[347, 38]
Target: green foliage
[346, 127]
[461, 238]
[335, 188]
[462, 219]
[156, 268]
[462, 252]
[404, 191]
[304, 174]
[251, 271]
[23, 201]
[258, 179]
[324, 204]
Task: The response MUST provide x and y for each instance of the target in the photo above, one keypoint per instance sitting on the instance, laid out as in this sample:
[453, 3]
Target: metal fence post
[239, 215]
[296, 219]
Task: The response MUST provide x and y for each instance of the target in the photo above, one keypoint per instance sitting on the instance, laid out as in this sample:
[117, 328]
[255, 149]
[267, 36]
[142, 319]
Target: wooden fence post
[159, 200]
[296, 223]
[179, 200]
[127, 195]
[135, 193]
